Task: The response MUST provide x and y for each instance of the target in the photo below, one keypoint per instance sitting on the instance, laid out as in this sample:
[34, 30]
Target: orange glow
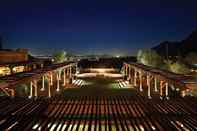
[18, 69]
[111, 75]
[4, 71]
[102, 70]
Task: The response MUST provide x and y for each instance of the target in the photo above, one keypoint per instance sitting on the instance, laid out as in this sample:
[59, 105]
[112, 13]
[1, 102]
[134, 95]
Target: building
[16, 60]
[11, 56]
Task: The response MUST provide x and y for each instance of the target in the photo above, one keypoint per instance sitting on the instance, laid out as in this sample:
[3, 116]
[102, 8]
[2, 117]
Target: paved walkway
[100, 87]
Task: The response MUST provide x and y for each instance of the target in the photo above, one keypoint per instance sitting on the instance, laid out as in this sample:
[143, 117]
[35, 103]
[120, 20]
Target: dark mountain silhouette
[179, 48]
[170, 48]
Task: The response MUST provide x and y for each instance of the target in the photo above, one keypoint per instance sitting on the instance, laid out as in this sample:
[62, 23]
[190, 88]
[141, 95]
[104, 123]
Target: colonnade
[62, 75]
[142, 78]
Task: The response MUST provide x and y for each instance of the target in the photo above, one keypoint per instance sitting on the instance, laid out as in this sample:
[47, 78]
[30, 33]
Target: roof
[90, 113]
[23, 77]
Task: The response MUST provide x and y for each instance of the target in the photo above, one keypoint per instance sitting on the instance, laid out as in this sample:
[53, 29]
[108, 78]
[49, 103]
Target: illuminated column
[42, 65]
[155, 84]
[140, 77]
[161, 89]
[31, 90]
[49, 90]
[64, 79]
[51, 78]
[43, 83]
[166, 90]
[36, 89]
[34, 66]
[58, 82]
[129, 73]
[67, 71]
[149, 88]
[135, 77]
[70, 71]
[12, 93]
[60, 72]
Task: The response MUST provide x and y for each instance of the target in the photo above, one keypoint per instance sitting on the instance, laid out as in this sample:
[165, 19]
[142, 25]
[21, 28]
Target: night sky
[95, 26]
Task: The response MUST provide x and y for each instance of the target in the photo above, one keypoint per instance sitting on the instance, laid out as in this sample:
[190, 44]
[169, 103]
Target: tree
[179, 68]
[191, 58]
[59, 56]
[149, 57]
[140, 55]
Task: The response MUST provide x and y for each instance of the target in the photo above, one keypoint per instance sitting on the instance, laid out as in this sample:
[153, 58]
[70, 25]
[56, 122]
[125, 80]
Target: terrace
[96, 103]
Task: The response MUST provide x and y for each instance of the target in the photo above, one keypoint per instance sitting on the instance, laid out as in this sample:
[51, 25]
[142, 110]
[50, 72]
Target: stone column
[129, 73]
[49, 90]
[70, 71]
[12, 93]
[58, 82]
[31, 90]
[64, 79]
[140, 79]
[155, 84]
[34, 66]
[36, 88]
[161, 89]
[149, 88]
[59, 73]
[51, 78]
[43, 83]
[67, 69]
[166, 90]
[42, 65]
[135, 77]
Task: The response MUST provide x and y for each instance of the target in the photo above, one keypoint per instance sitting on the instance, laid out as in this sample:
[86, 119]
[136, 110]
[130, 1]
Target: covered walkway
[55, 74]
[98, 104]
[142, 76]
